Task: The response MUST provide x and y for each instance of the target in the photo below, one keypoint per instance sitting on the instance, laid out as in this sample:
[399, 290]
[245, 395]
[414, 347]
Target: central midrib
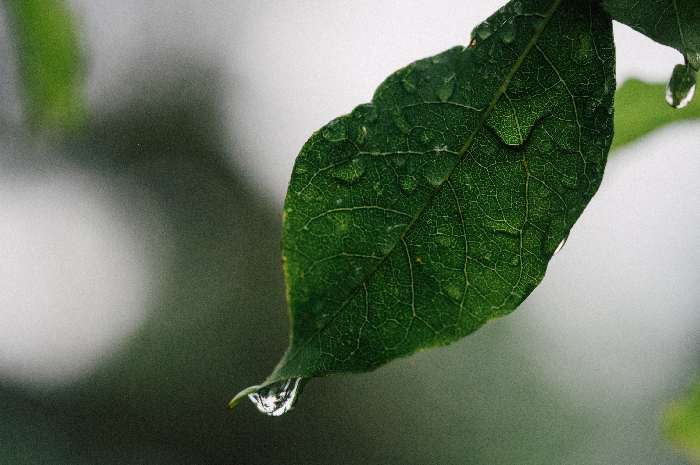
[461, 156]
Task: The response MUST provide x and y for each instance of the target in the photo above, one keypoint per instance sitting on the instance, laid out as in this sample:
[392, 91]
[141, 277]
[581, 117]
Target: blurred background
[140, 275]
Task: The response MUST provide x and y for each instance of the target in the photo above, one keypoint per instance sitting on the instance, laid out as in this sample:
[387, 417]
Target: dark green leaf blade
[50, 62]
[675, 23]
[415, 219]
[640, 110]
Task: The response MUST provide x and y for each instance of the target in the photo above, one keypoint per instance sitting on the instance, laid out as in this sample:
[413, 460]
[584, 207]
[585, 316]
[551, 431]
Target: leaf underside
[412, 221]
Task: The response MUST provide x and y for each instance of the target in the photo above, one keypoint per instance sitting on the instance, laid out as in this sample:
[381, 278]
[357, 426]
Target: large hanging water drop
[278, 398]
[681, 87]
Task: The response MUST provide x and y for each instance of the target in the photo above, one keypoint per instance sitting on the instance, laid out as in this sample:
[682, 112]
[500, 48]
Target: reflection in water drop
[278, 398]
[681, 87]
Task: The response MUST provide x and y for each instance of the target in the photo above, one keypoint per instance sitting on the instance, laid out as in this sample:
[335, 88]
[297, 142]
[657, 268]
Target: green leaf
[675, 23]
[49, 61]
[683, 423]
[415, 219]
[639, 110]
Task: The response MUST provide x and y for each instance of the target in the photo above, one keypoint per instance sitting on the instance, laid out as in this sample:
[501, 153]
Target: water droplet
[444, 240]
[277, 398]
[400, 122]
[408, 184]
[454, 291]
[335, 131]
[507, 32]
[386, 247]
[584, 48]
[681, 87]
[408, 83]
[349, 172]
[444, 91]
[361, 137]
[546, 146]
[517, 7]
[437, 173]
[440, 59]
[366, 112]
[483, 31]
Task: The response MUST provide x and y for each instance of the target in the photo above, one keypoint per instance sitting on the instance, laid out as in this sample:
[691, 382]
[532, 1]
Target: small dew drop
[278, 398]
[366, 113]
[444, 240]
[454, 291]
[517, 7]
[408, 84]
[361, 137]
[584, 48]
[437, 175]
[507, 32]
[681, 88]
[444, 91]
[349, 172]
[335, 131]
[483, 31]
[401, 123]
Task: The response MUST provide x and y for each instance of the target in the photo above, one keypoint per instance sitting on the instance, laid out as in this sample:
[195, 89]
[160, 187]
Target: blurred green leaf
[683, 423]
[49, 61]
[641, 109]
[420, 216]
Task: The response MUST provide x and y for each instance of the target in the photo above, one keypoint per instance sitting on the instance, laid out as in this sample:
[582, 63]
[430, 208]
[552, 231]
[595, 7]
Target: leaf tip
[242, 395]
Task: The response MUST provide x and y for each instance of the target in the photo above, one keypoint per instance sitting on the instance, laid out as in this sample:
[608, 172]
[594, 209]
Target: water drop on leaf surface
[445, 91]
[681, 87]
[335, 131]
[507, 32]
[482, 31]
[278, 398]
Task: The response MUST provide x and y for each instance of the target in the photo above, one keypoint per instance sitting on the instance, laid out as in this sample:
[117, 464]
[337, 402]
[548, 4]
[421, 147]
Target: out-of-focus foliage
[49, 60]
[640, 109]
[683, 423]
